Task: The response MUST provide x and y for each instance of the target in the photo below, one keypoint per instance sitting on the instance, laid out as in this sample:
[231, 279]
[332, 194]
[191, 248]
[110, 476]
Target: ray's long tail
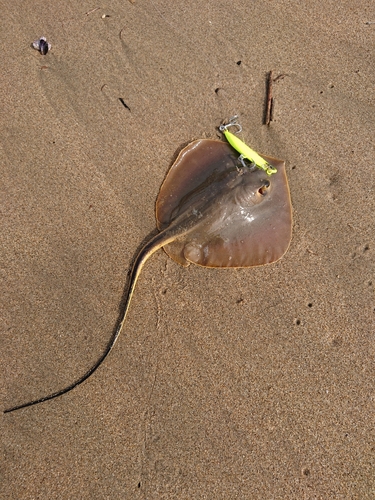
[151, 247]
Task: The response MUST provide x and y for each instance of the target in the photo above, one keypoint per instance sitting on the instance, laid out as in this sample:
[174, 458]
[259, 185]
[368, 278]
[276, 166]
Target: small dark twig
[269, 101]
[124, 103]
[272, 107]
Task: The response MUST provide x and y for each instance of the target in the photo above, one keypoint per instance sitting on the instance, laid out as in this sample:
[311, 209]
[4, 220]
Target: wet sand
[225, 384]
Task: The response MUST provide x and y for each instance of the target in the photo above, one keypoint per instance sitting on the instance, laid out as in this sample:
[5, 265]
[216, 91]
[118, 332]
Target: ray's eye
[263, 189]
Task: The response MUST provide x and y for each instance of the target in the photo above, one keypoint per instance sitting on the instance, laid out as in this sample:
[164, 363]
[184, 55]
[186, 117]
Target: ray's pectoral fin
[176, 250]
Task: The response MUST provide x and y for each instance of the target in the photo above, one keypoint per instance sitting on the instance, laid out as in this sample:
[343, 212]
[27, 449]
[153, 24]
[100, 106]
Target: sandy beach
[224, 384]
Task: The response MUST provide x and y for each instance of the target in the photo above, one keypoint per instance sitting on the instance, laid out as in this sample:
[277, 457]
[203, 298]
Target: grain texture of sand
[246, 384]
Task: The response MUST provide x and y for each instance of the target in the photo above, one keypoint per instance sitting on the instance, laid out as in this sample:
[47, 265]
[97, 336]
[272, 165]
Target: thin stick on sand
[269, 102]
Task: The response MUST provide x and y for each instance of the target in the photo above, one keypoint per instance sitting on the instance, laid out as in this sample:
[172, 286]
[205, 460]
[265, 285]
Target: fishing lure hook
[232, 123]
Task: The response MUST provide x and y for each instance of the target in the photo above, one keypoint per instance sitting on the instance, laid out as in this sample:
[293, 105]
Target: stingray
[215, 212]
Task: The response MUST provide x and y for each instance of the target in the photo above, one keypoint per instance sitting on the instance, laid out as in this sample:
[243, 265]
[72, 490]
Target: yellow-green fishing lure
[244, 150]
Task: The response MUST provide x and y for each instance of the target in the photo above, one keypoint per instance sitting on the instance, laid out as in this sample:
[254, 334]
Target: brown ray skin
[239, 226]
[214, 214]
